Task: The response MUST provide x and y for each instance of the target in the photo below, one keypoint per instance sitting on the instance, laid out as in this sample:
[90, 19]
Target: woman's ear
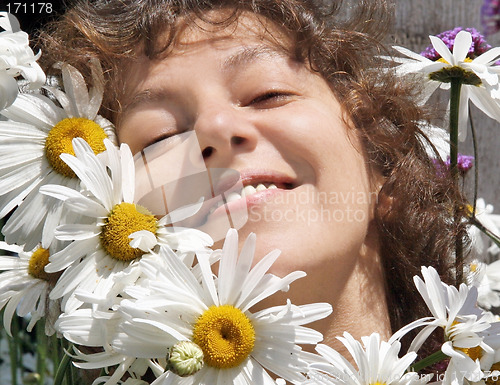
[384, 208]
[383, 203]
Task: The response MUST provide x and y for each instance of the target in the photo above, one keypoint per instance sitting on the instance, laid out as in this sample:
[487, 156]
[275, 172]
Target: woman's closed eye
[162, 138]
[271, 99]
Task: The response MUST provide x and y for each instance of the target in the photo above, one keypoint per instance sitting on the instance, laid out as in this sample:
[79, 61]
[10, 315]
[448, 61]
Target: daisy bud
[185, 358]
[31, 379]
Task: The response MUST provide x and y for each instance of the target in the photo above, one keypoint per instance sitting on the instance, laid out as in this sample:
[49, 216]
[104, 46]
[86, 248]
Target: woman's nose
[224, 131]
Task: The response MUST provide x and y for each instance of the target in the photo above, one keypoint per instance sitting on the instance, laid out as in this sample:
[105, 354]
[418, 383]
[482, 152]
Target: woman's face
[256, 110]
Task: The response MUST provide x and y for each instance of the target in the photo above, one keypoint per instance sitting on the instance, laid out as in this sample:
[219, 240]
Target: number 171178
[29, 8]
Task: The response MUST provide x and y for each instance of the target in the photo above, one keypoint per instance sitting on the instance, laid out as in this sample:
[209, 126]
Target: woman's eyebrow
[149, 95]
[248, 55]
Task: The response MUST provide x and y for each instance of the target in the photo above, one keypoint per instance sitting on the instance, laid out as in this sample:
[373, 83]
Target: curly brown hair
[415, 203]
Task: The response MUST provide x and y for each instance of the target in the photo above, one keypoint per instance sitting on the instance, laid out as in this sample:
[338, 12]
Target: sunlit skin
[273, 119]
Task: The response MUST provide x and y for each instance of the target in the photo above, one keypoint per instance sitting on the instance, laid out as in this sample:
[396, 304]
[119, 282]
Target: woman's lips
[232, 210]
[244, 192]
[253, 184]
[231, 200]
[236, 204]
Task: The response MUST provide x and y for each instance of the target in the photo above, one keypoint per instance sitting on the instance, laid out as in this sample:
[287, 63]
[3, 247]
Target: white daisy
[377, 362]
[92, 328]
[468, 331]
[25, 287]
[31, 142]
[490, 222]
[239, 346]
[111, 233]
[486, 277]
[96, 328]
[482, 87]
[492, 369]
[16, 58]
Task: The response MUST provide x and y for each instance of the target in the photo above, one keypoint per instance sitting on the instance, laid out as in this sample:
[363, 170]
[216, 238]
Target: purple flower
[464, 164]
[478, 47]
[490, 16]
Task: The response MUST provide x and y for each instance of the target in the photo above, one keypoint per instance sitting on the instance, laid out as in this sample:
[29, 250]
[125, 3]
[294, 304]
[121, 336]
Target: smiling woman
[329, 147]
[257, 110]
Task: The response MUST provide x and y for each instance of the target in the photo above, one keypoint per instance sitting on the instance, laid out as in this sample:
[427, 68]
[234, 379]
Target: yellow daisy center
[225, 335]
[474, 353]
[494, 380]
[38, 260]
[441, 60]
[59, 141]
[378, 383]
[125, 219]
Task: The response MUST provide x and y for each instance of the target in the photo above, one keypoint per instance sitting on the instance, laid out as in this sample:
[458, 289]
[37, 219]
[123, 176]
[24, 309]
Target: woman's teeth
[244, 192]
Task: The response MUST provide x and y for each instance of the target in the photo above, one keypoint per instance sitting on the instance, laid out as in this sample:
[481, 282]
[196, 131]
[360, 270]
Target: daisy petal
[442, 49]
[143, 240]
[76, 89]
[463, 42]
[97, 90]
[8, 90]
[489, 56]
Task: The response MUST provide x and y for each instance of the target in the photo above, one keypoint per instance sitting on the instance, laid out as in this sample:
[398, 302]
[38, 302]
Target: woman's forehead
[219, 27]
[246, 39]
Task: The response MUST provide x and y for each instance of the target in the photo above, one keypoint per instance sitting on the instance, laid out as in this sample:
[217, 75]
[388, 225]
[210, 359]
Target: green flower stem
[495, 238]
[476, 162]
[14, 350]
[72, 376]
[429, 360]
[41, 350]
[62, 370]
[71, 372]
[55, 348]
[456, 85]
